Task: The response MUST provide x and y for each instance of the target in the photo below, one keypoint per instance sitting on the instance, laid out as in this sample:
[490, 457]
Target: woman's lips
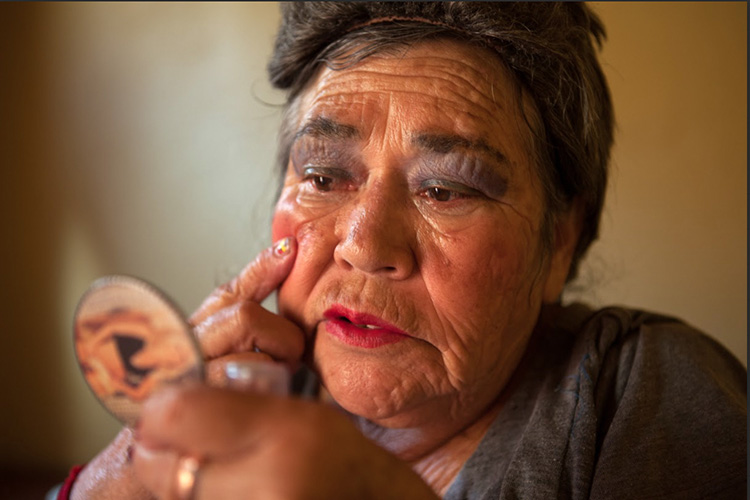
[360, 329]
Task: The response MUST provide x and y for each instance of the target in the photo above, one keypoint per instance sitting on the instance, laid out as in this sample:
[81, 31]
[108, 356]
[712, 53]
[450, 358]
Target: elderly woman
[444, 167]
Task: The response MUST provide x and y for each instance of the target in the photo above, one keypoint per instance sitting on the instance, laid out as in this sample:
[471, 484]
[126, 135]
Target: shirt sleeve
[674, 418]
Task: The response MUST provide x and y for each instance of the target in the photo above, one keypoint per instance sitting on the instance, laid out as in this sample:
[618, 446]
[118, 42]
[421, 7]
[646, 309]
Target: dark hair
[549, 48]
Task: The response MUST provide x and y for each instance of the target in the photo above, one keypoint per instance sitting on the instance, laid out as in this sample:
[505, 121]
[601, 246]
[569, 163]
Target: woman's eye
[322, 183]
[323, 179]
[441, 194]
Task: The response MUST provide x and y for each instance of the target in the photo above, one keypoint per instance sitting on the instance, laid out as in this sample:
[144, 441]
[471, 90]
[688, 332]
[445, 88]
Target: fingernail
[282, 247]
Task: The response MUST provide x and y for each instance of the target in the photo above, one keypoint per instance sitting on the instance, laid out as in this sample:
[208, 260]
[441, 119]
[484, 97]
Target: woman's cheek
[292, 218]
[294, 222]
[284, 221]
[314, 253]
[281, 227]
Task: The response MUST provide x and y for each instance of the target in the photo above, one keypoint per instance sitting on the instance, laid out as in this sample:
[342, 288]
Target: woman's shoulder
[671, 404]
[658, 348]
[620, 346]
[656, 365]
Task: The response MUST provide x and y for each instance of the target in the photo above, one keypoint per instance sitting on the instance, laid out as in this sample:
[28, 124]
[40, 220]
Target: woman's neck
[437, 459]
[441, 466]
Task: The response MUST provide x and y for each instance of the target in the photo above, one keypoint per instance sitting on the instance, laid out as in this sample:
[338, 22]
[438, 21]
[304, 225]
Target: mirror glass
[131, 339]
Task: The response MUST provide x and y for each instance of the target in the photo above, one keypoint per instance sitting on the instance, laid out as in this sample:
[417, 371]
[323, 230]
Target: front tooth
[369, 327]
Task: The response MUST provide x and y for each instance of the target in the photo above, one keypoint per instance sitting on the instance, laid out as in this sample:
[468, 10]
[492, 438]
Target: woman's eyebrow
[326, 128]
[447, 143]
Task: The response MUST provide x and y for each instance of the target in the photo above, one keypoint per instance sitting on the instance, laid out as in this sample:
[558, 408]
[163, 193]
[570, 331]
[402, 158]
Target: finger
[255, 282]
[216, 368]
[247, 326]
[157, 470]
[214, 423]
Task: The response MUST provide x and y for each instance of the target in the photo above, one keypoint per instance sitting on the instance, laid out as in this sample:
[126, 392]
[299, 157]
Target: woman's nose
[376, 237]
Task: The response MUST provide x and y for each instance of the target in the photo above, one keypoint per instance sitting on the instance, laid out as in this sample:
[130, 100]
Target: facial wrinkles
[459, 83]
[462, 355]
[382, 95]
[445, 333]
[463, 168]
[457, 349]
[379, 297]
[347, 90]
[461, 79]
[321, 152]
[373, 296]
[450, 326]
[453, 323]
[376, 296]
[356, 101]
[469, 84]
[410, 387]
[390, 136]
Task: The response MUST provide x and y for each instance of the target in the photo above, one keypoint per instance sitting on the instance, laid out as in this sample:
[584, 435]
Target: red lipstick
[361, 329]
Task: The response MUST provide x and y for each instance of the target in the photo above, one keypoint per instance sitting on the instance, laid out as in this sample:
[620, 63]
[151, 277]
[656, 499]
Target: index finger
[255, 282]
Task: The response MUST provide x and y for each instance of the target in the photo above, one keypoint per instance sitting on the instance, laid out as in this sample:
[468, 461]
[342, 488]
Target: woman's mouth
[361, 329]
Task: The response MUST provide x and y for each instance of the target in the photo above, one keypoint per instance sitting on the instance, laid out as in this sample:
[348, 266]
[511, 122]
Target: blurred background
[139, 138]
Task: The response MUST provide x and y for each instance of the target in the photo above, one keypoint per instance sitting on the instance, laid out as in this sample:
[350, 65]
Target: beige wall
[674, 235]
[139, 140]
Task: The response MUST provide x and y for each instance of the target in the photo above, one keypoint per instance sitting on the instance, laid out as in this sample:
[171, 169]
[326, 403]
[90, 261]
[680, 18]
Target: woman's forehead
[435, 87]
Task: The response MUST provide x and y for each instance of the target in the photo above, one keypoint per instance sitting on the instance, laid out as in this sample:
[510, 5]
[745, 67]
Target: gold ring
[187, 475]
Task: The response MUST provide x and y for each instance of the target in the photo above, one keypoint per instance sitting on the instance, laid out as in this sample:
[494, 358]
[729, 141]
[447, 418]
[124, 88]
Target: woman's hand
[110, 474]
[263, 447]
[230, 325]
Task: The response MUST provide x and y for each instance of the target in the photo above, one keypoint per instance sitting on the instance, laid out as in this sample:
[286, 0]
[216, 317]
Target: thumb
[255, 282]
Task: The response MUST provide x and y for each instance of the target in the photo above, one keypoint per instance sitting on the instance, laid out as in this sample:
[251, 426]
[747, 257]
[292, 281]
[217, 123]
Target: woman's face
[418, 211]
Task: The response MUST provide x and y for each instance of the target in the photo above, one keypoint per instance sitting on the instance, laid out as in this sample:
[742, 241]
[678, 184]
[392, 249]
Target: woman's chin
[361, 396]
[386, 405]
[391, 385]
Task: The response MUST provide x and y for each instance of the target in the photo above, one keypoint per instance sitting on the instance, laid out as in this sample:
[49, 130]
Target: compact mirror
[130, 339]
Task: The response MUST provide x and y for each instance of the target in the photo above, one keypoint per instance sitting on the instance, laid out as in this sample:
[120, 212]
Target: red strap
[65, 489]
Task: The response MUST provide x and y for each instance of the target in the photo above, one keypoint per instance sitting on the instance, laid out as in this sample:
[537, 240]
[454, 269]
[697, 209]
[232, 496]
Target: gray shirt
[615, 404]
